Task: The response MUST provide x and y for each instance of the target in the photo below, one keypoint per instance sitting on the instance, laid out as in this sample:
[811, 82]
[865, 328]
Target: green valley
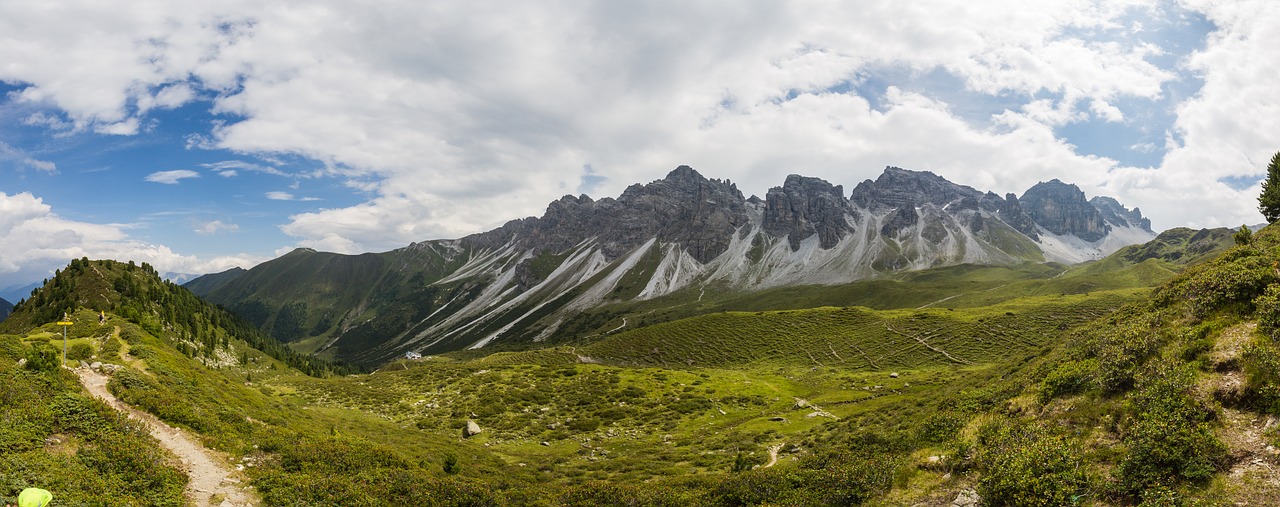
[1038, 384]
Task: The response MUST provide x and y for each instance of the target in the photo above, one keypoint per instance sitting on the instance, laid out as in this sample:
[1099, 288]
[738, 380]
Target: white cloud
[22, 159]
[286, 196]
[1227, 130]
[232, 166]
[34, 241]
[171, 177]
[1106, 111]
[458, 117]
[213, 227]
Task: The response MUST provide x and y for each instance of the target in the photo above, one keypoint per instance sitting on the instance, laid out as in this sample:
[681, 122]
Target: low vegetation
[1085, 389]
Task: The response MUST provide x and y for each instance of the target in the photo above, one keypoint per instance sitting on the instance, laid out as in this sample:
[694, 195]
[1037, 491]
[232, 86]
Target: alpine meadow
[664, 362]
[704, 253]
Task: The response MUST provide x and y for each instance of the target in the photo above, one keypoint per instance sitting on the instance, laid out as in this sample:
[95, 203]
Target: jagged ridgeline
[161, 308]
[588, 267]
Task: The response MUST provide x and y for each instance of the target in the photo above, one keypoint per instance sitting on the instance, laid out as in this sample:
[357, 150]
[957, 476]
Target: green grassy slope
[55, 437]
[1096, 395]
[854, 337]
[237, 397]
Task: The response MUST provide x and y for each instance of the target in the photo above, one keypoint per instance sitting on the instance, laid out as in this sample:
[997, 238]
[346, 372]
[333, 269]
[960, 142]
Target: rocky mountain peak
[805, 206]
[1114, 212]
[1062, 209]
[897, 188]
[684, 207]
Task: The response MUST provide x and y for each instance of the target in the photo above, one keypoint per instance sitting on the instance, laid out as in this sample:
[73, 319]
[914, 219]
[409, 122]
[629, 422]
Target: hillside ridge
[684, 236]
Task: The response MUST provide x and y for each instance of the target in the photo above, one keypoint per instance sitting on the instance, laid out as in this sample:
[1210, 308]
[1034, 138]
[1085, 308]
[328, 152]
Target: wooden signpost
[65, 323]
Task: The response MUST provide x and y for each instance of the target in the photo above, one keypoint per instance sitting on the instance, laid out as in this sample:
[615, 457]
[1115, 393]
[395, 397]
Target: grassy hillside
[54, 436]
[234, 395]
[1064, 391]
[952, 287]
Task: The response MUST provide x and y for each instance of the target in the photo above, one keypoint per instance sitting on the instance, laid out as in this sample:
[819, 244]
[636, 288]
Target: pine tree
[1269, 200]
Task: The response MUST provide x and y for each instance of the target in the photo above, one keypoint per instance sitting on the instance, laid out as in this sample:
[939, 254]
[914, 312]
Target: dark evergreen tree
[1269, 200]
[1243, 236]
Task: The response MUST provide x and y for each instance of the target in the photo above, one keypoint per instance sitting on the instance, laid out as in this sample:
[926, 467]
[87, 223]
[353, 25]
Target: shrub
[43, 358]
[79, 351]
[1071, 377]
[1268, 310]
[1169, 438]
[450, 464]
[939, 427]
[584, 424]
[1261, 363]
[1025, 465]
[1237, 277]
[110, 349]
[1121, 349]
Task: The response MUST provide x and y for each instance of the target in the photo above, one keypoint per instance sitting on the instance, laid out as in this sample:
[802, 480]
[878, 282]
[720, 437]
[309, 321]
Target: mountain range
[5, 308]
[582, 267]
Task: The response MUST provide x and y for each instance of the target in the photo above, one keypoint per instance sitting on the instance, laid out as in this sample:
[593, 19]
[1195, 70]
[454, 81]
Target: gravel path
[210, 479]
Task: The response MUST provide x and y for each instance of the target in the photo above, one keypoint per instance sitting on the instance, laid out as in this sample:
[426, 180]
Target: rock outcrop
[1114, 212]
[803, 206]
[532, 278]
[1062, 209]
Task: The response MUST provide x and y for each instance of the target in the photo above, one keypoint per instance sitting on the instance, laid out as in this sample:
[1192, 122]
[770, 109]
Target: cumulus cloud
[171, 177]
[34, 241]
[454, 118]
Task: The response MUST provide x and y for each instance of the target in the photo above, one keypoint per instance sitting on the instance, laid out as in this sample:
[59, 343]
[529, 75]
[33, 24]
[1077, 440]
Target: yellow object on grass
[34, 497]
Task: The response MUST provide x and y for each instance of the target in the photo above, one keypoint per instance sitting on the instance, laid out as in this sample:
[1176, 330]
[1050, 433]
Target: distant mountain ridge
[5, 308]
[532, 278]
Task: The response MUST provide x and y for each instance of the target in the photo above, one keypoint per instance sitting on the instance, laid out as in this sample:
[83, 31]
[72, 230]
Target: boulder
[967, 498]
[471, 430]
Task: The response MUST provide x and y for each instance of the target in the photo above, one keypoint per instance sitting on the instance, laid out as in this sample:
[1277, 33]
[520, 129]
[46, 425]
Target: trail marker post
[65, 323]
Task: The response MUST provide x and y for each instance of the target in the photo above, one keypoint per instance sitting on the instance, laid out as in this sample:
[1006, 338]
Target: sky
[203, 135]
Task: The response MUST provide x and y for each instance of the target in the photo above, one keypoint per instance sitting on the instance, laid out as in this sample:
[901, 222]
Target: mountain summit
[535, 278]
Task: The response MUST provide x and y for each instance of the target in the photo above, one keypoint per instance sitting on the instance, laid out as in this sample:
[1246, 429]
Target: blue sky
[208, 135]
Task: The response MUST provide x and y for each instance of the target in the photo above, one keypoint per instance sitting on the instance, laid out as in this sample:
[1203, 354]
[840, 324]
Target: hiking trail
[209, 478]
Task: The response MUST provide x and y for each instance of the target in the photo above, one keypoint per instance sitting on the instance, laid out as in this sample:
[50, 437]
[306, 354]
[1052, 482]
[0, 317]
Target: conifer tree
[1269, 200]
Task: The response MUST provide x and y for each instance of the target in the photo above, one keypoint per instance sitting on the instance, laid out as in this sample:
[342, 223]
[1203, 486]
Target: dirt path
[210, 479]
[773, 455]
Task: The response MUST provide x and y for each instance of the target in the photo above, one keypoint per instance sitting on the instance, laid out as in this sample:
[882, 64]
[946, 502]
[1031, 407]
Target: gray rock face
[1114, 212]
[471, 430]
[529, 279]
[803, 206]
[1012, 213]
[685, 208]
[1062, 209]
[899, 188]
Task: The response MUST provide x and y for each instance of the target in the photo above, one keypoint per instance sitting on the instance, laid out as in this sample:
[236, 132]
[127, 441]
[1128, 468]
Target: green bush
[79, 351]
[1235, 278]
[1261, 363]
[1071, 377]
[939, 427]
[1121, 348]
[1025, 465]
[1268, 310]
[1169, 438]
[43, 358]
[110, 349]
[11, 347]
[584, 424]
